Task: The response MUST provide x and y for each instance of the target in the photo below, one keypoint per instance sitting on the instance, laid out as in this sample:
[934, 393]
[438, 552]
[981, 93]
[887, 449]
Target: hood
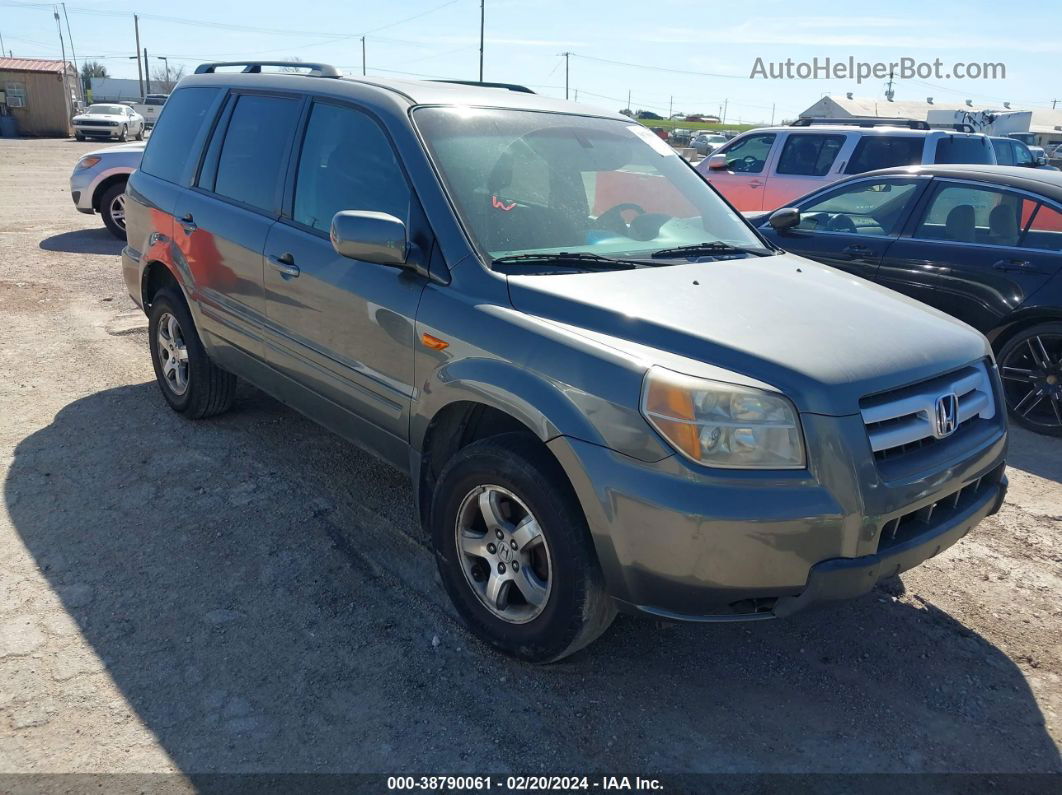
[130, 148]
[823, 337]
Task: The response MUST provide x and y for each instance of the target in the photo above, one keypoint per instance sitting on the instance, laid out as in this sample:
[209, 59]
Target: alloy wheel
[173, 354]
[117, 210]
[1032, 380]
[503, 554]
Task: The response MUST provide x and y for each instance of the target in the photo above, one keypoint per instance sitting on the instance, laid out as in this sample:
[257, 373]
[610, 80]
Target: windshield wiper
[581, 259]
[706, 249]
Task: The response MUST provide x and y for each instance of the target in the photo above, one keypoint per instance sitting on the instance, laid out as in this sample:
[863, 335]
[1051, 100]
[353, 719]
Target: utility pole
[670, 106]
[565, 54]
[1054, 102]
[69, 35]
[62, 47]
[147, 74]
[889, 94]
[628, 99]
[482, 21]
[139, 71]
[772, 114]
[167, 60]
[362, 56]
[1, 44]
[723, 119]
[576, 98]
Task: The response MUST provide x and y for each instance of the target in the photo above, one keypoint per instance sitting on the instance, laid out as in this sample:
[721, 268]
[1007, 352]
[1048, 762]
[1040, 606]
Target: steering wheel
[612, 219]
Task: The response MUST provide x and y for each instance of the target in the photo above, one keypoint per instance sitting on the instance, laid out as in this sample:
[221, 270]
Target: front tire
[192, 384]
[1030, 366]
[123, 136]
[514, 551]
[112, 208]
[79, 137]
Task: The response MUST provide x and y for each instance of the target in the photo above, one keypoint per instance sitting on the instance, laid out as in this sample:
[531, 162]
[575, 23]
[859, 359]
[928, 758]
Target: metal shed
[41, 95]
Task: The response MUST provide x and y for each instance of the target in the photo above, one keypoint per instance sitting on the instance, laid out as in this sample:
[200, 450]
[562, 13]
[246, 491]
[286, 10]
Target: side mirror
[717, 162]
[784, 218]
[370, 237]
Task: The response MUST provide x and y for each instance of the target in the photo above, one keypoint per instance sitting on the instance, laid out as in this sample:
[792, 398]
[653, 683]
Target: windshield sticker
[659, 144]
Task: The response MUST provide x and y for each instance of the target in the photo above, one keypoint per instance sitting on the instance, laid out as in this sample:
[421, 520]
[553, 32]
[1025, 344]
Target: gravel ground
[250, 593]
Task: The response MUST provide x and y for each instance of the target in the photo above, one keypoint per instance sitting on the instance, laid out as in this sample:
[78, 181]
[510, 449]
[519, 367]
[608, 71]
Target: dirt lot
[252, 594]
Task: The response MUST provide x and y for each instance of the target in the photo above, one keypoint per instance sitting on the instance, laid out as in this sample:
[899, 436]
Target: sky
[669, 54]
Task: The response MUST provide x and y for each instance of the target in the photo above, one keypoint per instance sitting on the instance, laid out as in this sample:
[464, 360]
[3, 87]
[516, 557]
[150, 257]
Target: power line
[657, 68]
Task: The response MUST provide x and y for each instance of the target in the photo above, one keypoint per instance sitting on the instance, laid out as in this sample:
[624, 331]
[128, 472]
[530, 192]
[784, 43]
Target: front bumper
[98, 132]
[683, 543]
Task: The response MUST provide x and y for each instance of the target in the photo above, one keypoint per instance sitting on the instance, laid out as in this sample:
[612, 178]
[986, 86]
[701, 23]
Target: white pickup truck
[151, 107]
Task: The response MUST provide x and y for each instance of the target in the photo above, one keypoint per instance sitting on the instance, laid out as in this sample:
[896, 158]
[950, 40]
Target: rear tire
[1030, 366]
[112, 208]
[192, 384]
[541, 525]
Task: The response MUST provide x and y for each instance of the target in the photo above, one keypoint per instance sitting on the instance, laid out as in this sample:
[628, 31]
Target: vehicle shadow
[260, 594]
[1035, 453]
[84, 241]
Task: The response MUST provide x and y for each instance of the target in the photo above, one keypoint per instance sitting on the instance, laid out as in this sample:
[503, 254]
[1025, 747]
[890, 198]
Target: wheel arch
[156, 276]
[1020, 321]
[104, 186]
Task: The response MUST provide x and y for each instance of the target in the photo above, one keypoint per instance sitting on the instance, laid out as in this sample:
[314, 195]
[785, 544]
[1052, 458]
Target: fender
[539, 404]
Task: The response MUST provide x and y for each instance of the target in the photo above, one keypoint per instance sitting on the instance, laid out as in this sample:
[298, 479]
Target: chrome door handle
[755, 184]
[285, 263]
[187, 223]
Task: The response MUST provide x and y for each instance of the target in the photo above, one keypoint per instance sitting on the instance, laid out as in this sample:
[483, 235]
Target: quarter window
[1045, 232]
[810, 155]
[749, 155]
[885, 151]
[867, 208]
[347, 164]
[255, 152]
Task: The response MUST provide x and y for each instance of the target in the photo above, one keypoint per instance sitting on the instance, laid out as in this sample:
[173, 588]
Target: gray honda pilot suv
[609, 391]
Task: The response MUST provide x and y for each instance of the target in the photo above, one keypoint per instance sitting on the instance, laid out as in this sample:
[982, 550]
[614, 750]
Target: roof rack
[480, 84]
[255, 67]
[865, 121]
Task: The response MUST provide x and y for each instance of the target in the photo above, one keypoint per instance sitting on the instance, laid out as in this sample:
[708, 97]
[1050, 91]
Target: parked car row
[768, 167]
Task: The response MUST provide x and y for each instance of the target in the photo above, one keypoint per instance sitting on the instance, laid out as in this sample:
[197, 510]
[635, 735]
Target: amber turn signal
[434, 343]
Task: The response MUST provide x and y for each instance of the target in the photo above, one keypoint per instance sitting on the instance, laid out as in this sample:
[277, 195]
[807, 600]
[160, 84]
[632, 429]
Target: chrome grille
[905, 418]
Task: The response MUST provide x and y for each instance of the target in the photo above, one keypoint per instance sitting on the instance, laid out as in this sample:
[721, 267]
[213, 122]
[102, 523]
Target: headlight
[88, 162]
[723, 425]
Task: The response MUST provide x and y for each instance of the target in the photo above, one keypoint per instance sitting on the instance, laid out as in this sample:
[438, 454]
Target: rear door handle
[755, 184]
[1013, 265]
[187, 223]
[857, 250]
[285, 263]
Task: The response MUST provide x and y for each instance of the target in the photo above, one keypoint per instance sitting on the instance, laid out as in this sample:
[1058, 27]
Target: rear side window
[962, 149]
[347, 164]
[975, 214]
[810, 155]
[885, 151]
[749, 155]
[1004, 152]
[170, 144]
[254, 154]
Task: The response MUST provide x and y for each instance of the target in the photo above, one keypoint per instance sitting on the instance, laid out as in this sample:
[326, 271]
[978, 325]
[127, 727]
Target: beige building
[40, 95]
[1046, 123]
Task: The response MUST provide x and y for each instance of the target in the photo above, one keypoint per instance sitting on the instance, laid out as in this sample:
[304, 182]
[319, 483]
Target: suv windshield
[528, 182]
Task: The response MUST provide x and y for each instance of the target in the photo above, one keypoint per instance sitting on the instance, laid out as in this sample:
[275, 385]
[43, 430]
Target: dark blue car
[982, 243]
